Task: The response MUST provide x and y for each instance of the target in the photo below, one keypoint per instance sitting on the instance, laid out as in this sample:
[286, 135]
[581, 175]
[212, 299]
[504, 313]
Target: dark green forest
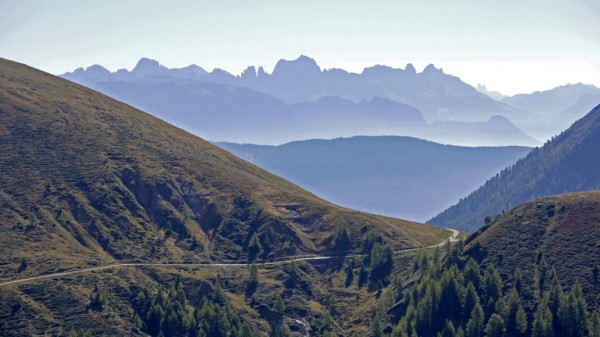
[458, 297]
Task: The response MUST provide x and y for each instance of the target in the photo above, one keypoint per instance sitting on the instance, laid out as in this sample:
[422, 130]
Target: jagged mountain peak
[146, 66]
[410, 69]
[302, 66]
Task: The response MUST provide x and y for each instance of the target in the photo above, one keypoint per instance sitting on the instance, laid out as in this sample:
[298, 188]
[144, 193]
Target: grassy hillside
[562, 231]
[531, 272]
[567, 163]
[86, 180]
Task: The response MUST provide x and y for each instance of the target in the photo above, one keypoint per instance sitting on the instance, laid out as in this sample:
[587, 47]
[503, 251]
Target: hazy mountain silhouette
[496, 131]
[493, 94]
[553, 101]
[396, 176]
[437, 95]
[555, 109]
[223, 107]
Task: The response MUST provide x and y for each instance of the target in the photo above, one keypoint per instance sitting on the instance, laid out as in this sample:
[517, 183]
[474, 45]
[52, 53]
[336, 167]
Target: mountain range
[395, 176]
[300, 101]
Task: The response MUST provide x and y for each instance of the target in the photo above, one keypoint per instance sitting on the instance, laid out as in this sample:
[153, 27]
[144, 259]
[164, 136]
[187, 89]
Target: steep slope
[93, 176]
[567, 163]
[533, 271]
[561, 232]
[397, 176]
[87, 180]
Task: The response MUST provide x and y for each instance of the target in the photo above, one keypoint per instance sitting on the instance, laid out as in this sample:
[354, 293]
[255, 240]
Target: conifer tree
[448, 330]
[475, 324]
[471, 299]
[495, 326]
[254, 248]
[492, 286]
[542, 323]
[572, 314]
[472, 274]
[278, 305]
[521, 321]
[350, 273]
[219, 295]
[510, 311]
[518, 280]
[363, 275]
[343, 238]
[376, 329]
[553, 299]
[450, 296]
[594, 328]
[252, 284]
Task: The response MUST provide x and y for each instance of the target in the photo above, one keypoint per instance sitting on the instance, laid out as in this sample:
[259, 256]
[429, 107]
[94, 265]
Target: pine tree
[594, 328]
[542, 323]
[553, 299]
[327, 321]
[543, 273]
[495, 326]
[510, 311]
[475, 324]
[492, 286]
[427, 310]
[521, 321]
[254, 248]
[448, 330]
[22, 265]
[471, 299]
[376, 329]
[350, 273]
[252, 284]
[293, 272]
[472, 274]
[343, 238]
[399, 331]
[363, 275]
[518, 280]
[219, 295]
[572, 314]
[278, 305]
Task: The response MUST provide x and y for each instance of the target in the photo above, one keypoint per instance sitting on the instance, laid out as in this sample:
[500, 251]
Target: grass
[564, 230]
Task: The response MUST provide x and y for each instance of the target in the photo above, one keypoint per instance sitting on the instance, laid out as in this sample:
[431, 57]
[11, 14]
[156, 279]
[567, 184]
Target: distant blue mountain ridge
[299, 100]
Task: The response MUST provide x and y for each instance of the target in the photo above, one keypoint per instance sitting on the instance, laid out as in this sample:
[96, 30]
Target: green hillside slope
[562, 230]
[567, 163]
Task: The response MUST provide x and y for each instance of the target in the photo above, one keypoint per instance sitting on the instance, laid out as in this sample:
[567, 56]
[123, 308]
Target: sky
[511, 46]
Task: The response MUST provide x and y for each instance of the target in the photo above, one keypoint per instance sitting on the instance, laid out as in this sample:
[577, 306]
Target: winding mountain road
[451, 238]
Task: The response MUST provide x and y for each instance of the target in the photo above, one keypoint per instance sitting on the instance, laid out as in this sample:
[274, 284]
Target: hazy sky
[510, 45]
